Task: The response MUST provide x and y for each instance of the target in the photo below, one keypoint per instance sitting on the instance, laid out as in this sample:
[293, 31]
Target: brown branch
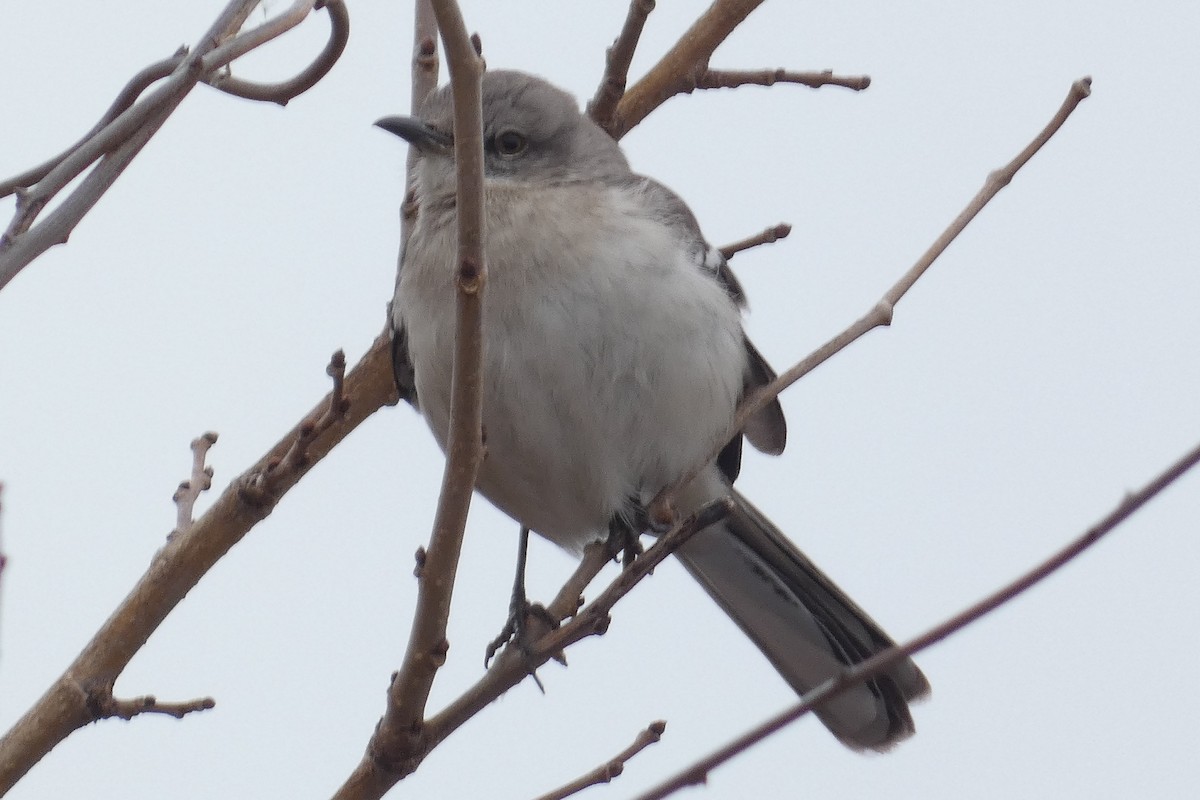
[603, 107]
[882, 661]
[731, 79]
[397, 745]
[283, 91]
[769, 236]
[880, 314]
[611, 768]
[105, 706]
[688, 58]
[200, 481]
[180, 565]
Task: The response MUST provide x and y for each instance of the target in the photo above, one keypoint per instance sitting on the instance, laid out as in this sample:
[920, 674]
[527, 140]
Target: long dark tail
[808, 627]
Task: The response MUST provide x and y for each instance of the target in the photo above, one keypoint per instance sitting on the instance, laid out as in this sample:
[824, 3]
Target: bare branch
[731, 79]
[105, 706]
[880, 662]
[284, 91]
[769, 236]
[603, 107]
[397, 745]
[689, 57]
[611, 768]
[881, 314]
[180, 565]
[137, 84]
[129, 124]
[200, 481]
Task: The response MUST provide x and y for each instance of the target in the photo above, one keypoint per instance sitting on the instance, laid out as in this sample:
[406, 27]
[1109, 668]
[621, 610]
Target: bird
[614, 357]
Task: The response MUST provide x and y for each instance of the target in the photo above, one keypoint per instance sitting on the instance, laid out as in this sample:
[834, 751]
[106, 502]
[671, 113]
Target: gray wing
[767, 429]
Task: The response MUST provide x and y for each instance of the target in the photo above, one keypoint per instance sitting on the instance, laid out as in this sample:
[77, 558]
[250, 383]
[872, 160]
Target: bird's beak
[419, 134]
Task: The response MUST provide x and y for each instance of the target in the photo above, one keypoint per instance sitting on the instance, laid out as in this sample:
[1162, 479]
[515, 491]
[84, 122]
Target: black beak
[419, 134]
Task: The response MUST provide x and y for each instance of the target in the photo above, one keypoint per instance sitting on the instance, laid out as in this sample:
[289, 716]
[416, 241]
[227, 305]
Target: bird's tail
[804, 624]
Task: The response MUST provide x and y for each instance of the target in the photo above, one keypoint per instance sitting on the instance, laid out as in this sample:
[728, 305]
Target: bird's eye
[510, 143]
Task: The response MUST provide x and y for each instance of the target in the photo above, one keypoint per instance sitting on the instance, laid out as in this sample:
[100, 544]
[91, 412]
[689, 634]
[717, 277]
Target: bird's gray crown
[532, 132]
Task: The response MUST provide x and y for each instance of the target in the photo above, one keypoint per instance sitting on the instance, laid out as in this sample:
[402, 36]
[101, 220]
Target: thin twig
[105, 706]
[611, 768]
[603, 107]
[882, 661]
[731, 79]
[880, 314]
[200, 481]
[769, 236]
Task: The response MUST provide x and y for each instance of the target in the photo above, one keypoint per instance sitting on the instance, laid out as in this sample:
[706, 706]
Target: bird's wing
[767, 429]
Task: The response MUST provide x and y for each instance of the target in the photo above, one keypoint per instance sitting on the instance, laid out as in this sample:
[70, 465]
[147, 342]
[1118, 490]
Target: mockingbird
[614, 357]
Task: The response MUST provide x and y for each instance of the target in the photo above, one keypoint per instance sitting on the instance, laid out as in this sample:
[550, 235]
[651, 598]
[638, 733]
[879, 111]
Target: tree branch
[611, 768]
[731, 79]
[129, 124]
[880, 314]
[769, 236]
[183, 561]
[882, 661]
[689, 57]
[284, 91]
[399, 741]
[603, 107]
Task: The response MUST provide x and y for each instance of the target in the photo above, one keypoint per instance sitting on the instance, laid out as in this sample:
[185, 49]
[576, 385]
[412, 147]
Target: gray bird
[614, 357]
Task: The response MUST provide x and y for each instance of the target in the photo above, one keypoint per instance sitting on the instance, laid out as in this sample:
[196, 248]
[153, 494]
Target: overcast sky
[1044, 366]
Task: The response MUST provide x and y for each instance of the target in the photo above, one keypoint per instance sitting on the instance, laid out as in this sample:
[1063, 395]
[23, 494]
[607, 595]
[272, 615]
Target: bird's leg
[624, 533]
[516, 627]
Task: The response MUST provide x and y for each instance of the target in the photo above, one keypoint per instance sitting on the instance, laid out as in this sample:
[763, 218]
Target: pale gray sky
[1044, 366]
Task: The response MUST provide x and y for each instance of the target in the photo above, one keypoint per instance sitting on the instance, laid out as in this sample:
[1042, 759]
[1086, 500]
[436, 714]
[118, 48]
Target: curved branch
[129, 124]
[125, 98]
[284, 91]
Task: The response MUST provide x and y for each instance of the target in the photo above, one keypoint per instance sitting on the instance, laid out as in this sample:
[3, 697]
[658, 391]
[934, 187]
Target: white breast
[611, 362]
